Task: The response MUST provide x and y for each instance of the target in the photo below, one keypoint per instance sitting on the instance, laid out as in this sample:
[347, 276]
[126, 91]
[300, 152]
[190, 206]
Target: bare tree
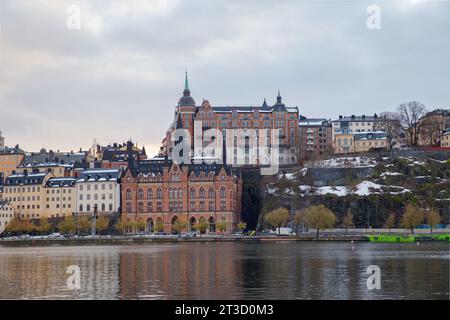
[410, 114]
[389, 122]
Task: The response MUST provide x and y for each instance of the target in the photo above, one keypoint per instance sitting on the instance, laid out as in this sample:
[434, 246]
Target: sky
[121, 74]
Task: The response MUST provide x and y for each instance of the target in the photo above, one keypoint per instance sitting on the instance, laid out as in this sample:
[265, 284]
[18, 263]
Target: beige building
[25, 191]
[6, 214]
[445, 139]
[359, 142]
[59, 197]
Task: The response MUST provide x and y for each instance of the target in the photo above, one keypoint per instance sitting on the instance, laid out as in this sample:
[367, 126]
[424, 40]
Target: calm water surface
[275, 270]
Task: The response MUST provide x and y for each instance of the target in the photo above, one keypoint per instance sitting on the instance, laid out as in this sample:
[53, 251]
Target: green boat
[390, 238]
[381, 238]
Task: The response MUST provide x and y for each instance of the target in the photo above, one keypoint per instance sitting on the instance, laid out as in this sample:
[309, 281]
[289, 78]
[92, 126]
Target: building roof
[369, 135]
[25, 179]
[361, 118]
[54, 157]
[155, 167]
[313, 122]
[60, 182]
[4, 203]
[8, 150]
[99, 175]
[186, 99]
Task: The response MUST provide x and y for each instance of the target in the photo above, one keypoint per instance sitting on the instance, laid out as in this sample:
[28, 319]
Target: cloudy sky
[121, 74]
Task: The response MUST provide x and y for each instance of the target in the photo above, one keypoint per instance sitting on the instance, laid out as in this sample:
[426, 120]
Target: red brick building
[249, 119]
[159, 191]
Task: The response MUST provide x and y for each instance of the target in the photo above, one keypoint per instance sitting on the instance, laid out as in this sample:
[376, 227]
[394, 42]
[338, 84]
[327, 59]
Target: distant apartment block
[357, 134]
[315, 138]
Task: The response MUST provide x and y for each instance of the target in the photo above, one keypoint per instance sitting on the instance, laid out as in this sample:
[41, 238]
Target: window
[159, 193]
[140, 194]
[149, 194]
[211, 193]
[103, 207]
[223, 192]
[202, 192]
[193, 193]
[128, 207]
[128, 194]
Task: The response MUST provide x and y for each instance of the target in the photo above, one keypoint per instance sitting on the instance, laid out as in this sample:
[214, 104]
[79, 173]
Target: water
[207, 270]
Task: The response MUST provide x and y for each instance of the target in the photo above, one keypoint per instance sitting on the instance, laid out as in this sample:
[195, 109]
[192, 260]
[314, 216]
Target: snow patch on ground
[348, 162]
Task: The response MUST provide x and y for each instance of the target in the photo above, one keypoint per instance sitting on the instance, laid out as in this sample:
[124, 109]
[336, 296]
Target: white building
[98, 190]
[6, 214]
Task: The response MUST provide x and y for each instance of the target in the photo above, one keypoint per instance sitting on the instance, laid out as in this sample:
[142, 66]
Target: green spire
[186, 83]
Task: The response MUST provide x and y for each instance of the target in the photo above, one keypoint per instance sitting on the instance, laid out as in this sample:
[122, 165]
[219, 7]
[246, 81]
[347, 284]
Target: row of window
[174, 206]
[96, 186]
[96, 196]
[176, 193]
[90, 208]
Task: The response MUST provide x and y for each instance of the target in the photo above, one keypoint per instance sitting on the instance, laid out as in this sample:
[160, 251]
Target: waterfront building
[59, 197]
[162, 192]
[315, 138]
[7, 214]
[25, 191]
[98, 192]
[251, 119]
[10, 159]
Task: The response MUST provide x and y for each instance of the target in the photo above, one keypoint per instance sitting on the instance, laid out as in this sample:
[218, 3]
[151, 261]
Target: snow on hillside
[349, 162]
[365, 188]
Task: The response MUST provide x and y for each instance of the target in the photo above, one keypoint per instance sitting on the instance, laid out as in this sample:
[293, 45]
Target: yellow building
[445, 139]
[25, 191]
[59, 197]
[10, 159]
[343, 143]
[359, 142]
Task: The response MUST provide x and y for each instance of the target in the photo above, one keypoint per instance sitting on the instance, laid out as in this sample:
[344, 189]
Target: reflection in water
[203, 270]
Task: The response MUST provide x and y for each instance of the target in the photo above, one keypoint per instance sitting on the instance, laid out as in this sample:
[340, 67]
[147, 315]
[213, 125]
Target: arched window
[128, 194]
[211, 193]
[149, 207]
[170, 193]
[180, 193]
[149, 193]
[103, 207]
[159, 193]
[202, 192]
[81, 207]
[128, 206]
[88, 208]
[223, 192]
[193, 193]
[140, 194]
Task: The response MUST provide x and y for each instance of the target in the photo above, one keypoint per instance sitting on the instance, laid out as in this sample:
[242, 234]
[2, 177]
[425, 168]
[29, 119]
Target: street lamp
[94, 220]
